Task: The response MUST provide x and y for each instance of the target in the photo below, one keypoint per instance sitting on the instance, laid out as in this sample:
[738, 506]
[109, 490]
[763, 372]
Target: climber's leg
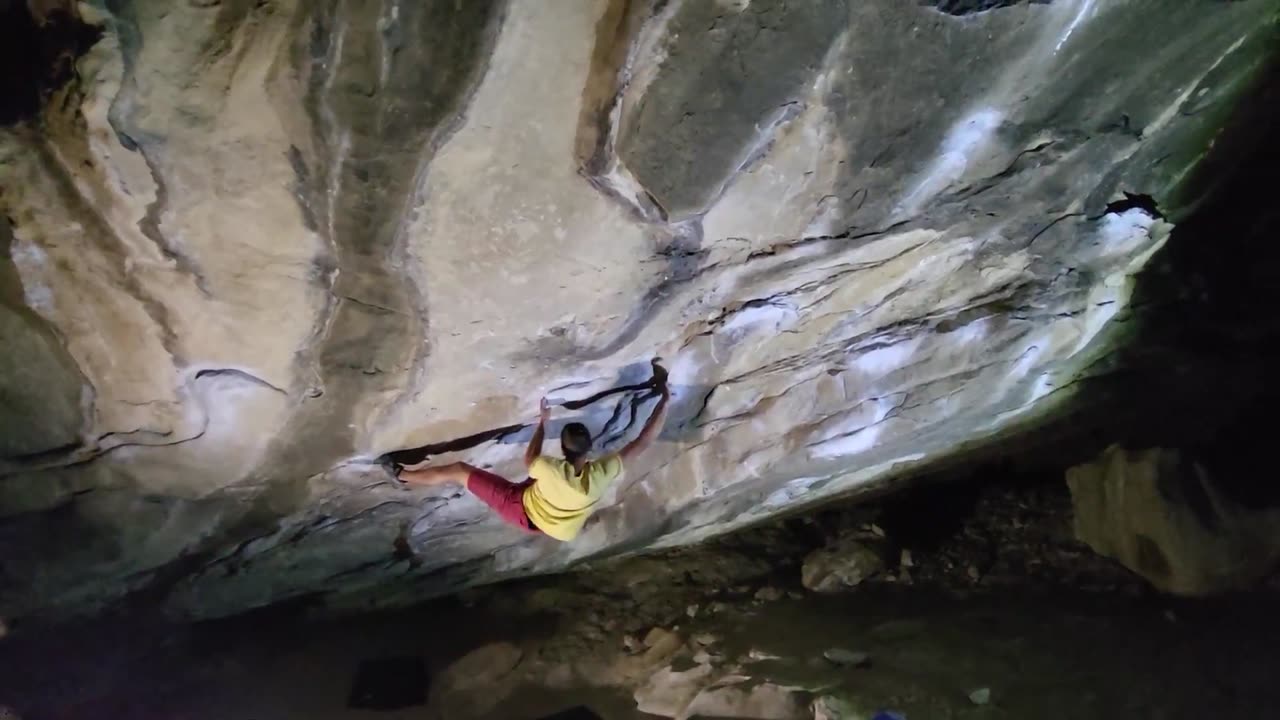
[506, 498]
[439, 475]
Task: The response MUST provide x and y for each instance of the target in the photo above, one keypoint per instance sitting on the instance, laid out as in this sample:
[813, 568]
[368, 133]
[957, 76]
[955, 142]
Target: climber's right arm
[651, 428]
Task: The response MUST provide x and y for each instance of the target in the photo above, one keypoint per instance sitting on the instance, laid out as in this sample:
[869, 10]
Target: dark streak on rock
[79, 454]
[366, 85]
[100, 228]
[633, 405]
[119, 117]
[683, 254]
[38, 55]
[731, 135]
[51, 410]
[241, 374]
[969, 7]
[413, 456]
[1050, 226]
[374, 306]
[302, 180]
[149, 225]
[607, 81]
[692, 131]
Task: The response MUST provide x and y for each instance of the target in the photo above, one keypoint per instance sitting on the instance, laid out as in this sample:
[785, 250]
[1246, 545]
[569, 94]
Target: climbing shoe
[393, 469]
[659, 379]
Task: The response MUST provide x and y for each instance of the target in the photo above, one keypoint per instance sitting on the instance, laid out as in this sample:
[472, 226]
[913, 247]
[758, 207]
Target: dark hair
[575, 441]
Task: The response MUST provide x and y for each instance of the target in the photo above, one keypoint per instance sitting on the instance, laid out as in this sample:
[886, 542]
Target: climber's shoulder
[608, 467]
[545, 467]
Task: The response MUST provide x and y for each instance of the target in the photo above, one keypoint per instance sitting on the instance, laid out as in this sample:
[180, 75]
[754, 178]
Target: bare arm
[532, 452]
[651, 428]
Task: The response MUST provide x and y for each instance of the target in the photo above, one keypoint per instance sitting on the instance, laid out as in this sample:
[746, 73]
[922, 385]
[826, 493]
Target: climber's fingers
[659, 379]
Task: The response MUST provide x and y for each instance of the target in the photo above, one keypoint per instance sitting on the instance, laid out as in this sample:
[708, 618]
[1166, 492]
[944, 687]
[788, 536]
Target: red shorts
[506, 498]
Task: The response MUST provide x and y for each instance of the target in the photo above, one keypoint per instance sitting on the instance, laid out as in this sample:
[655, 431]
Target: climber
[558, 495]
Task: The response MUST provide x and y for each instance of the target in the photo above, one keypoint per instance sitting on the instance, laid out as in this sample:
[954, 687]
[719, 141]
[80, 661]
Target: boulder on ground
[1160, 514]
[841, 565]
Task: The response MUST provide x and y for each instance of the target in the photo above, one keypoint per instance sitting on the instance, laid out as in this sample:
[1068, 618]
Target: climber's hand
[659, 379]
[652, 427]
[534, 448]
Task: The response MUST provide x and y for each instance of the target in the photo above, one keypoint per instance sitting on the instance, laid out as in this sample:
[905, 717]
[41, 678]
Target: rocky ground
[970, 600]
[957, 540]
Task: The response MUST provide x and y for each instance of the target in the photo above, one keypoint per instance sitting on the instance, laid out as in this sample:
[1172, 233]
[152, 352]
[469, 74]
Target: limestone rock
[769, 594]
[841, 565]
[668, 692]
[247, 248]
[827, 707]
[482, 666]
[662, 639]
[849, 658]
[631, 644]
[1160, 514]
[701, 692]
[476, 682]
[750, 701]
[981, 696]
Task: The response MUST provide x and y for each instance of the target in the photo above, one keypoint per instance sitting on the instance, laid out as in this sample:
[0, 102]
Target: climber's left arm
[532, 452]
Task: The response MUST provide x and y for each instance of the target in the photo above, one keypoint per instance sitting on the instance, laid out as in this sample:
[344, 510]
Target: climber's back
[564, 493]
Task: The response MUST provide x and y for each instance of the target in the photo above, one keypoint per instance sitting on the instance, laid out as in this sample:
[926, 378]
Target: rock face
[1162, 516]
[249, 246]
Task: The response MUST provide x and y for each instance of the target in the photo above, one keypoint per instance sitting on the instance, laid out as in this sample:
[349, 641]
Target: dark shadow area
[1210, 337]
[967, 7]
[38, 55]
[578, 713]
[389, 684]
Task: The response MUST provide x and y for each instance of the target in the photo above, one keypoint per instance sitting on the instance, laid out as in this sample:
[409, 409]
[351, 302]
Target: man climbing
[559, 494]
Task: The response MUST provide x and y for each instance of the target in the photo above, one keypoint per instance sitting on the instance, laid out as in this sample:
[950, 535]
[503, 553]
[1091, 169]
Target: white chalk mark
[32, 263]
[1043, 386]
[1085, 9]
[962, 143]
[789, 492]
[971, 333]
[858, 432]
[1123, 232]
[1172, 110]
[858, 442]
[775, 317]
[884, 360]
[386, 24]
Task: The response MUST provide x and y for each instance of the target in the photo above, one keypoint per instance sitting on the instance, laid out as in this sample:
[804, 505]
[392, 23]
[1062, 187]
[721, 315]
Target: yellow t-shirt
[560, 500]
